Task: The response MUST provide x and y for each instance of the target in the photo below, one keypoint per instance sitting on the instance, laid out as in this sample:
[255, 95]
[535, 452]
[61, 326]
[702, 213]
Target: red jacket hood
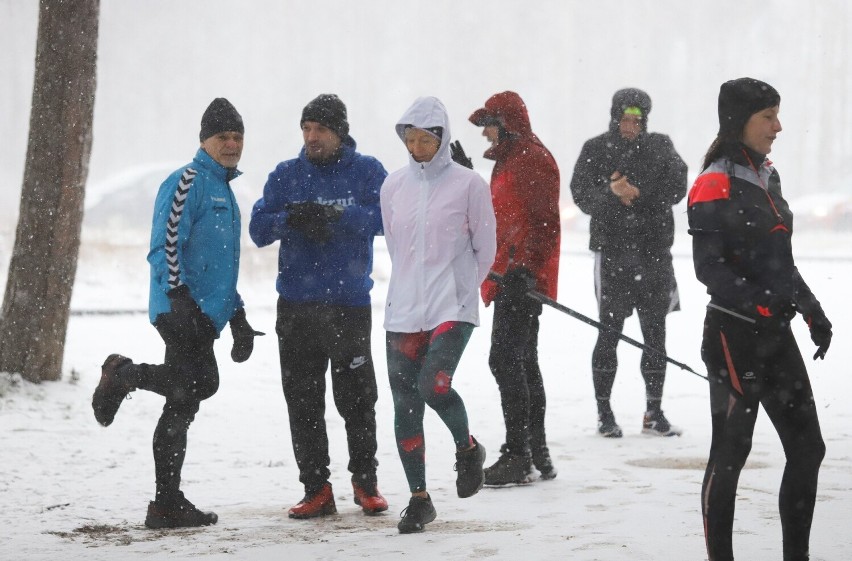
[511, 110]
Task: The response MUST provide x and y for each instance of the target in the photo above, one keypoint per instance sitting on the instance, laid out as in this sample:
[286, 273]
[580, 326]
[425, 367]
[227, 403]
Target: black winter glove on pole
[820, 333]
[517, 282]
[458, 155]
[243, 335]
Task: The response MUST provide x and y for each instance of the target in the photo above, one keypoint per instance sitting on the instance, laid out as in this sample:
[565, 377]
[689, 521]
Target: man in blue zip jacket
[194, 258]
[323, 208]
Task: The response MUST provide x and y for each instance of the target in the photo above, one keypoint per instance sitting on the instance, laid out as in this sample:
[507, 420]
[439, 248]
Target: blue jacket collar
[204, 160]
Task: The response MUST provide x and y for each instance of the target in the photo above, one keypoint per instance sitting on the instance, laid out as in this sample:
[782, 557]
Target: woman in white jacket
[440, 230]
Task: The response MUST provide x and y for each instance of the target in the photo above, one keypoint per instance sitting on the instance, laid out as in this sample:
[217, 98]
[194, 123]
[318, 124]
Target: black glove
[517, 282]
[312, 219]
[187, 317]
[332, 213]
[243, 336]
[775, 313]
[300, 215]
[458, 155]
[820, 332]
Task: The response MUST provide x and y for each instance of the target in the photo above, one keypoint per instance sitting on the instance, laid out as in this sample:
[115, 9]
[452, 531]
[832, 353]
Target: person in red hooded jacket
[525, 194]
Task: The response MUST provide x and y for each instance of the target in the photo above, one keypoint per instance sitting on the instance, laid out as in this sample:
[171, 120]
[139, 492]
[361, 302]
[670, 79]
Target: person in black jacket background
[742, 251]
[627, 180]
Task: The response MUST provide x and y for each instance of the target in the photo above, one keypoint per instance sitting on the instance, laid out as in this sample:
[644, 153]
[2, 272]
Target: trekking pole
[535, 295]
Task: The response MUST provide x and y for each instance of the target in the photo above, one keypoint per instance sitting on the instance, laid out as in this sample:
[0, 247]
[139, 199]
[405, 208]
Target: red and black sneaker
[177, 513]
[110, 391]
[368, 497]
[320, 503]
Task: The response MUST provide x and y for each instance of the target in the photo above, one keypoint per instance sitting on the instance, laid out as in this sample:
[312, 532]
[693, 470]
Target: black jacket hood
[629, 97]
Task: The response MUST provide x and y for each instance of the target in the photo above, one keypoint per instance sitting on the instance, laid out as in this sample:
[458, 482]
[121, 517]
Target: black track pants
[514, 364]
[310, 336]
[748, 368]
[188, 376]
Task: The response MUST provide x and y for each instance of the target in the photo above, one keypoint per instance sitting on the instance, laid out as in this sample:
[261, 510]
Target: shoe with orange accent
[320, 503]
[367, 496]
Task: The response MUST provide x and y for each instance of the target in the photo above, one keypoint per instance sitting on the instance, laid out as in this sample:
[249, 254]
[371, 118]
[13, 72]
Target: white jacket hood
[440, 231]
[425, 113]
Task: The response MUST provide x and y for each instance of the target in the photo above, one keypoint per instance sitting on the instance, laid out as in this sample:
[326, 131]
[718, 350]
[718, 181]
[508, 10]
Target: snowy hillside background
[72, 490]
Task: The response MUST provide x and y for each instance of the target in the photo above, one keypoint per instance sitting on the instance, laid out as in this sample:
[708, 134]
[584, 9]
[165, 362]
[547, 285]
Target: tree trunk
[34, 318]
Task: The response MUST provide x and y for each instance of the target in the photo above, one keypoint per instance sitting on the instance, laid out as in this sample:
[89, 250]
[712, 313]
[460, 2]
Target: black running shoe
[110, 391]
[509, 468]
[470, 476]
[656, 424]
[607, 427]
[177, 513]
[543, 463]
[416, 515]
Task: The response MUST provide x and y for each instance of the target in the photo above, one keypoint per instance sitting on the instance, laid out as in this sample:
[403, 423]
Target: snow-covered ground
[73, 490]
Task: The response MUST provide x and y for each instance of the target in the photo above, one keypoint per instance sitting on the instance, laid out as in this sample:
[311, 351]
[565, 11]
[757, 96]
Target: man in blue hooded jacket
[194, 258]
[323, 208]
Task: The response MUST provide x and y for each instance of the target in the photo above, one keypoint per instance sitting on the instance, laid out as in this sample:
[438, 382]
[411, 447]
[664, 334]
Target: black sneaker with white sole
[655, 423]
[543, 463]
[509, 469]
[607, 427]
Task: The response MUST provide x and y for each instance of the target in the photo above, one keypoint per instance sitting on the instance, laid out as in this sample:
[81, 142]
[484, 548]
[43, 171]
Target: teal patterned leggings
[420, 369]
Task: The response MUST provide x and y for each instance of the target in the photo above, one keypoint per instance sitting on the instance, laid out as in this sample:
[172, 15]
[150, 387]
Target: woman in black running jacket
[742, 228]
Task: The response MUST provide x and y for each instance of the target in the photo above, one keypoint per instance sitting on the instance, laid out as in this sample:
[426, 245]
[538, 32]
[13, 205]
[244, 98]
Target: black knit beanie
[220, 116]
[740, 99]
[329, 111]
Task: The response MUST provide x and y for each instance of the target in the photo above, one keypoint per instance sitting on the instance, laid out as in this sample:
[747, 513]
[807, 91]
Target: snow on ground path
[72, 490]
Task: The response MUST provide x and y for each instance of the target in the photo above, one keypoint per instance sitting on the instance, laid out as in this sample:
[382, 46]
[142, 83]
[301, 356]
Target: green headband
[633, 111]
